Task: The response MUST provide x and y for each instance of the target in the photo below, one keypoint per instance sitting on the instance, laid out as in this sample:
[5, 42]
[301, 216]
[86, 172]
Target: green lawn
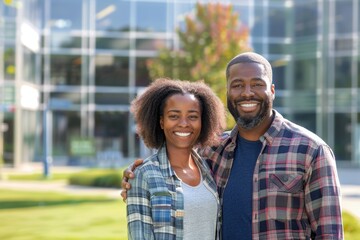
[52, 216]
[38, 215]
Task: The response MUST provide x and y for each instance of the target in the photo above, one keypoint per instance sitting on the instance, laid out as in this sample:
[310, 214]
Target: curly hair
[149, 106]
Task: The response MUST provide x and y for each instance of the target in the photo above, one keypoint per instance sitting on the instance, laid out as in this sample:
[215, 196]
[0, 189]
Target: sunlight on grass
[43, 216]
[73, 217]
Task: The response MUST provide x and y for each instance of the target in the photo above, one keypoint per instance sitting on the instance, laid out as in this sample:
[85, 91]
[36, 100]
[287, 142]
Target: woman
[173, 194]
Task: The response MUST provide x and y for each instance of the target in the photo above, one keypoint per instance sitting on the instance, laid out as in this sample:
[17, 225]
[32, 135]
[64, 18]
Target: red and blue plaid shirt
[296, 190]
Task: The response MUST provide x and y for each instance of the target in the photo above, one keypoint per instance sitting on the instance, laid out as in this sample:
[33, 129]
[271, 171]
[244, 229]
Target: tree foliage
[212, 36]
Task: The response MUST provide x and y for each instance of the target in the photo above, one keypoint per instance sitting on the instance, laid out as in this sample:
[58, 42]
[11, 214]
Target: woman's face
[181, 121]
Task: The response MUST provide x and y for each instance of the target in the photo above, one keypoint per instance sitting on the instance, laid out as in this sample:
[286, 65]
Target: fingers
[123, 194]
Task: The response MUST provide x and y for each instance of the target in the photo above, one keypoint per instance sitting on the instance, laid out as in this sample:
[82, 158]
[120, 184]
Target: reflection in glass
[65, 69]
[65, 15]
[145, 20]
[64, 99]
[112, 98]
[142, 72]
[112, 43]
[343, 136]
[31, 135]
[343, 16]
[279, 77]
[260, 22]
[343, 72]
[150, 44]
[64, 40]
[344, 44]
[29, 69]
[113, 15]
[307, 120]
[305, 74]
[66, 125]
[277, 22]
[111, 132]
[306, 18]
[111, 71]
[9, 63]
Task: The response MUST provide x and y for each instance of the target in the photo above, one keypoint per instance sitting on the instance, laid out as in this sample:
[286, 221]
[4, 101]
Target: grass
[39, 176]
[40, 216]
[34, 215]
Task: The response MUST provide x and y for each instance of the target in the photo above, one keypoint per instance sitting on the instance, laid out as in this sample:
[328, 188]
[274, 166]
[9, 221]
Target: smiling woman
[173, 190]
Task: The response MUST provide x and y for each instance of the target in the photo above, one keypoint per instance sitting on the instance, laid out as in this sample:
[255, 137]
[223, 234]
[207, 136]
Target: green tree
[211, 37]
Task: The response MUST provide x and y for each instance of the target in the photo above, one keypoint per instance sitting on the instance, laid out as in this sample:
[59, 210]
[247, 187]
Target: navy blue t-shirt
[237, 199]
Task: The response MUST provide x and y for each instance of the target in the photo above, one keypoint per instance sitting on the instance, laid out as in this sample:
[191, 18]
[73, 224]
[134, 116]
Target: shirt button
[285, 178]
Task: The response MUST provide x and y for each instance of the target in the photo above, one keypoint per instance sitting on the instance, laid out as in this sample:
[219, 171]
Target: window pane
[61, 40]
[142, 72]
[305, 74]
[260, 22]
[111, 132]
[112, 98]
[307, 120]
[111, 71]
[343, 16]
[145, 20]
[306, 16]
[343, 72]
[29, 66]
[9, 63]
[112, 43]
[277, 22]
[66, 125]
[64, 100]
[66, 15]
[342, 136]
[150, 44]
[65, 69]
[113, 15]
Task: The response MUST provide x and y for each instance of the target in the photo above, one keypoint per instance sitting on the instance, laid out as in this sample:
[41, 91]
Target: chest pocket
[289, 183]
[161, 209]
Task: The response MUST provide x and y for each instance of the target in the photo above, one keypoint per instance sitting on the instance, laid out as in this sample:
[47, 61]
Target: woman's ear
[162, 122]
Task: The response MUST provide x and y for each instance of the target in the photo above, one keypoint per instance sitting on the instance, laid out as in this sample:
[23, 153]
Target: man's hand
[127, 174]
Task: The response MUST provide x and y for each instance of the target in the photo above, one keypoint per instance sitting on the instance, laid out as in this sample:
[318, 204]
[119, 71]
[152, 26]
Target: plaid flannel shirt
[296, 191]
[155, 203]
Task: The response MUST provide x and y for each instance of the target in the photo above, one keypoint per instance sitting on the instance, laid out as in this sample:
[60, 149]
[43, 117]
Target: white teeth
[181, 134]
[248, 105]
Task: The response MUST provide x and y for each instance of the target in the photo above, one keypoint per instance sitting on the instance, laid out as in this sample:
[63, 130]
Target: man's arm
[322, 196]
[129, 174]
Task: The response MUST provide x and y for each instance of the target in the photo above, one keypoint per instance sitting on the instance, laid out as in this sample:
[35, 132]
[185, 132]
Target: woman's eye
[173, 116]
[194, 117]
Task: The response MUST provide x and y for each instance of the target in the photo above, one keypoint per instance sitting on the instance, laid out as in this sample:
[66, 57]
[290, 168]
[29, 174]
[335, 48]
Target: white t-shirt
[200, 212]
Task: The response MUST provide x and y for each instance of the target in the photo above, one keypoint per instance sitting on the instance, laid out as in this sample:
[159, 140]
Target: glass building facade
[70, 68]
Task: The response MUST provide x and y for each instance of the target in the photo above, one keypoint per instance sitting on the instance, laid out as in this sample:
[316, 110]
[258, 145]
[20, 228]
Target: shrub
[110, 178]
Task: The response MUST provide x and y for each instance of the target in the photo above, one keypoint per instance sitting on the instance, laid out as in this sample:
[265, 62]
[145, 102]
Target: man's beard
[249, 122]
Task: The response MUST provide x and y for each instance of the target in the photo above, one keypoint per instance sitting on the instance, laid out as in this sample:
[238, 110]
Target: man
[276, 180]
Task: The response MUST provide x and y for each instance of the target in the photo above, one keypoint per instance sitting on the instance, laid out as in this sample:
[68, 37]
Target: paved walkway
[349, 179]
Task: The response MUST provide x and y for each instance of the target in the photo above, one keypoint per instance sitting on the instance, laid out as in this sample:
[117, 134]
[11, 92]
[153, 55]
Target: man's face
[250, 94]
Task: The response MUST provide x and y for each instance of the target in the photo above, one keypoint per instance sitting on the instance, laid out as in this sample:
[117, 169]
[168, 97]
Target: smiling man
[276, 180]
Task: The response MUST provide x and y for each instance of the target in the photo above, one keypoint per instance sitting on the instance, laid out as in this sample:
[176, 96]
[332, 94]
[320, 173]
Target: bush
[110, 178]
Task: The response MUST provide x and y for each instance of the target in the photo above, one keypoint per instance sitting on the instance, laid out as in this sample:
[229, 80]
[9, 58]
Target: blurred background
[69, 70]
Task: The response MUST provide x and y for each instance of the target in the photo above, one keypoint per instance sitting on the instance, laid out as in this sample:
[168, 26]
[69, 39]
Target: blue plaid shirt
[296, 190]
[155, 203]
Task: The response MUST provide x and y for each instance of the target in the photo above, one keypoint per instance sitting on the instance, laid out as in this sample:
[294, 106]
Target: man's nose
[248, 91]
